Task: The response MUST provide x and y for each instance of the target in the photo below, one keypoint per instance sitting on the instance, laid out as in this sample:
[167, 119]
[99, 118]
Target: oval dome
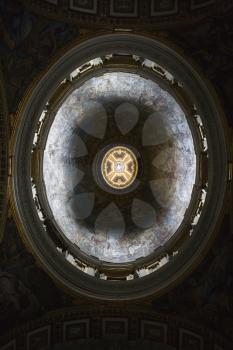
[119, 108]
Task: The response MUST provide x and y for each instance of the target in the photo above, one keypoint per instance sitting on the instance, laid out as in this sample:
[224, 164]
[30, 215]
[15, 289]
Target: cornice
[144, 14]
[133, 320]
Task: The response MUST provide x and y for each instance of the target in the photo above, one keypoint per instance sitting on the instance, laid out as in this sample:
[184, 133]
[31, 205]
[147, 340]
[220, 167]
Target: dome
[114, 114]
[122, 173]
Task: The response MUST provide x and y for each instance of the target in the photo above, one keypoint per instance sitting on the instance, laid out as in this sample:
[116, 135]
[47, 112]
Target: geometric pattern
[115, 326]
[190, 340]
[73, 327]
[87, 6]
[154, 331]
[39, 339]
[152, 9]
[123, 8]
[119, 167]
[76, 330]
[164, 7]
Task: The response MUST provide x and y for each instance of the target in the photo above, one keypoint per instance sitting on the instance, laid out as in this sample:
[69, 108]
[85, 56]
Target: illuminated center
[119, 167]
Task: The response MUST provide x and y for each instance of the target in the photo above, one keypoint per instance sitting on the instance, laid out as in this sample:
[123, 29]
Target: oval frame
[62, 271]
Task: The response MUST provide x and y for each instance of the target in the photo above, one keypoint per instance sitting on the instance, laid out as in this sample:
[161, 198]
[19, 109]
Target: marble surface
[135, 110]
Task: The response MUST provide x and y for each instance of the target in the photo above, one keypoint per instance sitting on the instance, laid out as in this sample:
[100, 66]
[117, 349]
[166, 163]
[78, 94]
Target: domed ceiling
[122, 175]
[118, 115]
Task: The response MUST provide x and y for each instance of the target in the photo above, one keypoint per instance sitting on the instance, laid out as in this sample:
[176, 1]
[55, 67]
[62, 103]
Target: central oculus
[119, 167]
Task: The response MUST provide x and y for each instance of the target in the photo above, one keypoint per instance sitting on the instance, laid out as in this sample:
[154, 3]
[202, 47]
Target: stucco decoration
[119, 108]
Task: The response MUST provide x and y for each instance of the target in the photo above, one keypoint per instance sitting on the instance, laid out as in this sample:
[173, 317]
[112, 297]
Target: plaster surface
[129, 109]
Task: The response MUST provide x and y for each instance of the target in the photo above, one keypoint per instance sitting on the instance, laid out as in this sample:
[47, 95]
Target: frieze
[78, 326]
[130, 12]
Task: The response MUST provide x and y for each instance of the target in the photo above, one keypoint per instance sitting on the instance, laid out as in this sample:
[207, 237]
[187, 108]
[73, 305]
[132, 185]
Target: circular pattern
[143, 273]
[119, 167]
[118, 225]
